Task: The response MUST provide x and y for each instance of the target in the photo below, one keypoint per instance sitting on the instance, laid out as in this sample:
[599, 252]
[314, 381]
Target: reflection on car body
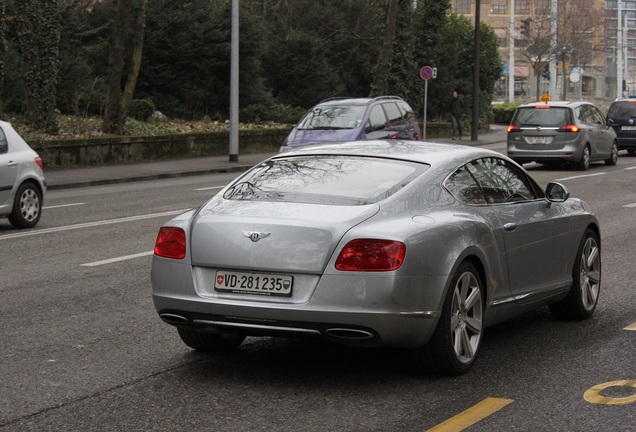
[382, 243]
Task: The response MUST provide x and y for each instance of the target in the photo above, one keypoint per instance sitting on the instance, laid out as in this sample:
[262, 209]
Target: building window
[522, 7]
[462, 6]
[499, 7]
[542, 7]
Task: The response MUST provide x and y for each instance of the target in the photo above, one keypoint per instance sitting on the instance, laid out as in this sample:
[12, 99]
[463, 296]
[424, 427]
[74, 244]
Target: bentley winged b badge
[255, 235]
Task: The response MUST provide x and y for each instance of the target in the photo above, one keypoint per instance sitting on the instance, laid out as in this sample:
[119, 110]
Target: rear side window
[544, 117]
[409, 115]
[622, 110]
[393, 113]
[327, 180]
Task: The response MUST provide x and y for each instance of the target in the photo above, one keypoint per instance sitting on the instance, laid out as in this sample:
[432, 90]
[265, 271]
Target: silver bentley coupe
[403, 244]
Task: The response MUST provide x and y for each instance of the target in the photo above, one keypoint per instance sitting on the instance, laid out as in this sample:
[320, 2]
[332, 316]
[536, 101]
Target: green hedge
[503, 113]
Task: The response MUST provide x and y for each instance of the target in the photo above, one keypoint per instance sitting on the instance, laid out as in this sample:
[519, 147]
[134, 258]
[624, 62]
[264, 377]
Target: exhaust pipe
[174, 319]
[349, 334]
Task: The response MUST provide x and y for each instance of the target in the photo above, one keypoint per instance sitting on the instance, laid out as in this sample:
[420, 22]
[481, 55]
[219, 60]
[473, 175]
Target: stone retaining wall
[131, 149]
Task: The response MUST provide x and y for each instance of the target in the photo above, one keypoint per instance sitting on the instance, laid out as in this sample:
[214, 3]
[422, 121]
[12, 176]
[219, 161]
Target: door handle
[510, 226]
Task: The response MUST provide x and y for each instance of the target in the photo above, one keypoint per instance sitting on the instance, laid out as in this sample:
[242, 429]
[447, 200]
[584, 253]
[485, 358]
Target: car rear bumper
[406, 329]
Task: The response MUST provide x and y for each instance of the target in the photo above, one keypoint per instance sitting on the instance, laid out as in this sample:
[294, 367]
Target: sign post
[426, 73]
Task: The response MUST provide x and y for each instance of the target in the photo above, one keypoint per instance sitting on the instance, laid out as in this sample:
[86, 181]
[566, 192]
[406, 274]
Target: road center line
[93, 224]
[62, 205]
[581, 176]
[472, 415]
[118, 259]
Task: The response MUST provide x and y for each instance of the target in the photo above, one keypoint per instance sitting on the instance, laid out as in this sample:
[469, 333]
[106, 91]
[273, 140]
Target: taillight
[38, 162]
[513, 128]
[171, 243]
[394, 136]
[569, 128]
[371, 255]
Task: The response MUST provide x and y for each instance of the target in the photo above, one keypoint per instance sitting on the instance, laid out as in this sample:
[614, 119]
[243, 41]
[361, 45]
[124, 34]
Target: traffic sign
[426, 72]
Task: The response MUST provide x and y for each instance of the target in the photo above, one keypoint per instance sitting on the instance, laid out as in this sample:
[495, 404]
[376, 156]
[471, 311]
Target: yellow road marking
[594, 396]
[630, 327]
[472, 415]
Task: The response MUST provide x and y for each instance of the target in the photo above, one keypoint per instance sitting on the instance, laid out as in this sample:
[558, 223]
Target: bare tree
[117, 102]
[379, 84]
[578, 22]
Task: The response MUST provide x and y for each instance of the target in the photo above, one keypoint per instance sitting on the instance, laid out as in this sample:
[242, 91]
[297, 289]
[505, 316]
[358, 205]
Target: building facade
[582, 51]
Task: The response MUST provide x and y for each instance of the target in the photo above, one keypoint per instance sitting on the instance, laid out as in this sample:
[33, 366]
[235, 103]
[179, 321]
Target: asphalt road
[83, 349]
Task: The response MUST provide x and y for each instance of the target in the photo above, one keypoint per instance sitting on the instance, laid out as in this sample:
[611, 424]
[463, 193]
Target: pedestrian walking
[457, 111]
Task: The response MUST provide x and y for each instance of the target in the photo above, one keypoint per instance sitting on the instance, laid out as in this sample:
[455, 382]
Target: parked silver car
[556, 132]
[22, 183]
[379, 243]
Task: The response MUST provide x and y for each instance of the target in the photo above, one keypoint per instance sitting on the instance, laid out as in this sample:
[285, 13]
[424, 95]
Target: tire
[584, 162]
[582, 299]
[613, 159]
[209, 342]
[27, 206]
[455, 343]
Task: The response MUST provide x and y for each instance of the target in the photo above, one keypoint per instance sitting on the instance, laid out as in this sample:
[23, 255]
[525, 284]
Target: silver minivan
[22, 182]
[556, 132]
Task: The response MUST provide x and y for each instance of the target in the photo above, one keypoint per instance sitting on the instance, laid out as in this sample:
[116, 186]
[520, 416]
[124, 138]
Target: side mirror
[609, 122]
[556, 193]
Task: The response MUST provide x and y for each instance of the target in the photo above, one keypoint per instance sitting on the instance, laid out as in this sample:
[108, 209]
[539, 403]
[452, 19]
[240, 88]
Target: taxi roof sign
[545, 98]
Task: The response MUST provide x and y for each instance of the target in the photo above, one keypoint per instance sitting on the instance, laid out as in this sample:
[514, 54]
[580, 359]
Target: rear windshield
[333, 117]
[622, 110]
[544, 117]
[319, 179]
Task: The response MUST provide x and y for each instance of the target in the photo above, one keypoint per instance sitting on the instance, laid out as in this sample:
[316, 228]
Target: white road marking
[62, 205]
[630, 168]
[113, 260]
[92, 224]
[630, 205]
[581, 176]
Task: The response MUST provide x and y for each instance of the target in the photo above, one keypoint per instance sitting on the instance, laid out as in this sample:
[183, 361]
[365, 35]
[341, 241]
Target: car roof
[416, 151]
[357, 101]
[565, 104]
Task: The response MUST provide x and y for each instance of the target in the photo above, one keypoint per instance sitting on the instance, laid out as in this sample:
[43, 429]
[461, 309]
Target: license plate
[253, 283]
[538, 140]
[628, 128]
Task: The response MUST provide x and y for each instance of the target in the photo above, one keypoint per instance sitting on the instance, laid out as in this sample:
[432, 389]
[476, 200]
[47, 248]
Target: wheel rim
[590, 276]
[29, 205]
[466, 317]
[614, 154]
[585, 158]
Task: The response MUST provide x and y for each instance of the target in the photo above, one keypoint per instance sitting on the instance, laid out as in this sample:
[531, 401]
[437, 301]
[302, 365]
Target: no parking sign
[426, 73]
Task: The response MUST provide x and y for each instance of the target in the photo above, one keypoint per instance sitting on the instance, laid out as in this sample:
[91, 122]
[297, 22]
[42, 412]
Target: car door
[534, 233]
[8, 171]
[602, 133]
[599, 136]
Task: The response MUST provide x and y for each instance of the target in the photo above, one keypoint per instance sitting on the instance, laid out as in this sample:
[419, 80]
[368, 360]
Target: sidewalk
[110, 174]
